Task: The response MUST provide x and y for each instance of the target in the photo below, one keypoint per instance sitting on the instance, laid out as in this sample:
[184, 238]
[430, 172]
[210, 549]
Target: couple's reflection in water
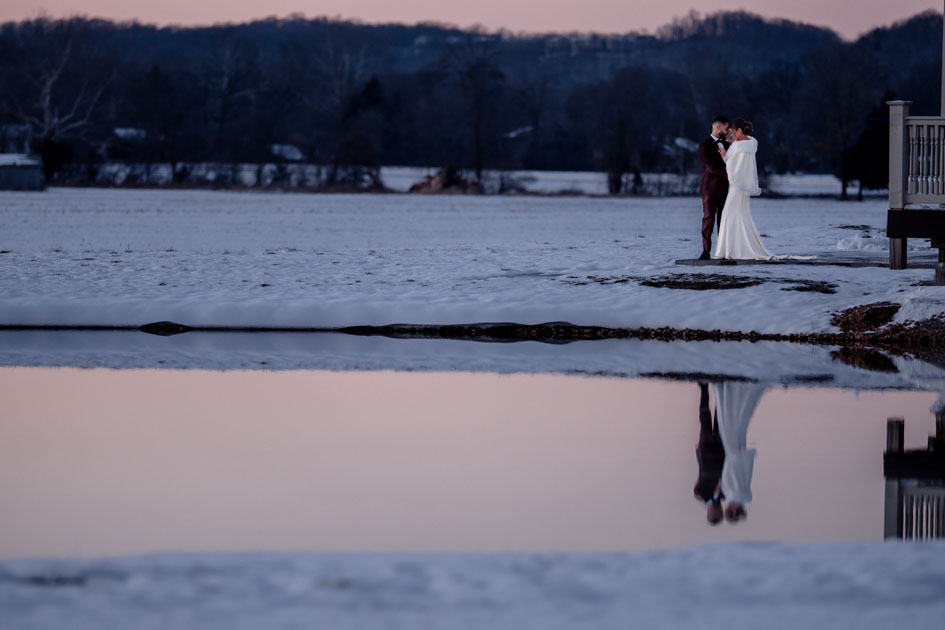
[725, 461]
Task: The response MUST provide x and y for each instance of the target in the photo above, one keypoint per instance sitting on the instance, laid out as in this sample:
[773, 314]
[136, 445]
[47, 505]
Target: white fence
[916, 157]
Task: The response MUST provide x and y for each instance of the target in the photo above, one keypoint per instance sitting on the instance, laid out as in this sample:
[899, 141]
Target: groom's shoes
[704, 256]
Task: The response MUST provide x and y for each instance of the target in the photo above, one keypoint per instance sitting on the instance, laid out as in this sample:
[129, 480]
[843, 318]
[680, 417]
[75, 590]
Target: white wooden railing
[916, 170]
[925, 160]
[923, 512]
[916, 157]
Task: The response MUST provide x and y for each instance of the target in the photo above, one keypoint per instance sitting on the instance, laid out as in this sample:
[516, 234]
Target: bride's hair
[744, 125]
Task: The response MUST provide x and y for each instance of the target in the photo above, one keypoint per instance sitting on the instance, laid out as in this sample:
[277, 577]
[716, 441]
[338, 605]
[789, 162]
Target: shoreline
[905, 337]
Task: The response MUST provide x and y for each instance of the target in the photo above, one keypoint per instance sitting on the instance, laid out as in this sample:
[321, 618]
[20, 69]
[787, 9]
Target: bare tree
[229, 78]
[335, 71]
[532, 94]
[837, 99]
[480, 82]
[57, 83]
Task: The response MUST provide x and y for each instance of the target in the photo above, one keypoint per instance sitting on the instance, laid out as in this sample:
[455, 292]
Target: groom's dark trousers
[709, 452]
[711, 217]
[713, 188]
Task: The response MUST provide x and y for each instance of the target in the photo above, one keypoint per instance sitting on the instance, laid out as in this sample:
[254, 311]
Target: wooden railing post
[895, 428]
[892, 518]
[898, 154]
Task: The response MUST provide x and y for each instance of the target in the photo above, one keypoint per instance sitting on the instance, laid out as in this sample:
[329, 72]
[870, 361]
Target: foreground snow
[126, 257]
[857, 586]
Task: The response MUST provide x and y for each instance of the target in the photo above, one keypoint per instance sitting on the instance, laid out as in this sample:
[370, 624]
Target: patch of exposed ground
[924, 340]
[701, 282]
[810, 378]
[814, 286]
[600, 280]
[865, 358]
[165, 329]
[866, 317]
[705, 282]
[697, 376]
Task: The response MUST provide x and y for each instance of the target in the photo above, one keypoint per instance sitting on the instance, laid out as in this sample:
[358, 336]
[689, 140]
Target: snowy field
[401, 178]
[129, 257]
[855, 586]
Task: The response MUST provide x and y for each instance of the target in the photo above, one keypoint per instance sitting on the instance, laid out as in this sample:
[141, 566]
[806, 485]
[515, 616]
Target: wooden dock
[915, 484]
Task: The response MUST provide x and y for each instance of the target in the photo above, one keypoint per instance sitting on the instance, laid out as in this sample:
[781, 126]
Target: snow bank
[856, 586]
[18, 159]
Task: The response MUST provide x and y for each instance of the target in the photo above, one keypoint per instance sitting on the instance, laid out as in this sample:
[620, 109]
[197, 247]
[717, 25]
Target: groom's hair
[722, 120]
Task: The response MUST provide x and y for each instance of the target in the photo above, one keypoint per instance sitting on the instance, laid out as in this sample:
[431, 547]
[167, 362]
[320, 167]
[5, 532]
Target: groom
[710, 454]
[714, 185]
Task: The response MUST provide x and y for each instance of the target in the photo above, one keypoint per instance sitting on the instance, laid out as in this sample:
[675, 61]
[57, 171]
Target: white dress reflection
[735, 404]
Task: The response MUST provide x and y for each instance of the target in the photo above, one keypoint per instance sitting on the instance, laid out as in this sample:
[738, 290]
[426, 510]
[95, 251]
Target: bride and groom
[725, 460]
[729, 181]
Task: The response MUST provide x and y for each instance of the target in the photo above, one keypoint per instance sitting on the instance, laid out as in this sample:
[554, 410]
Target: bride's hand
[722, 151]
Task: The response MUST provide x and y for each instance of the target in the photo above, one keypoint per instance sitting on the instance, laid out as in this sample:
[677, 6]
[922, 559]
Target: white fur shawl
[741, 166]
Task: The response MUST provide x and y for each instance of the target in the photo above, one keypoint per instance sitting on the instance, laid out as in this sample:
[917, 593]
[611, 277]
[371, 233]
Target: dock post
[895, 427]
[898, 152]
[892, 517]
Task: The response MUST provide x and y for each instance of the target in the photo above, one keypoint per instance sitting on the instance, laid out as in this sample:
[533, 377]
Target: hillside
[354, 96]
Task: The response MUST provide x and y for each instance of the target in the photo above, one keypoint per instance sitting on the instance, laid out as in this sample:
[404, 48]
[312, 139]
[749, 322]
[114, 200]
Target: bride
[738, 236]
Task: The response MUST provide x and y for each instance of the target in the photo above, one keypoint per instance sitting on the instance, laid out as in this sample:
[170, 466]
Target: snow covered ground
[401, 178]
[758, 585]
[129, 257]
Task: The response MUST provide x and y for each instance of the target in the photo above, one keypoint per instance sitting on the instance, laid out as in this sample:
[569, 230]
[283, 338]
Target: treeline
[352, 96]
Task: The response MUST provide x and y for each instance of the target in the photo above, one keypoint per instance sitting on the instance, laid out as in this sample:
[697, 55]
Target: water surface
[98, 461]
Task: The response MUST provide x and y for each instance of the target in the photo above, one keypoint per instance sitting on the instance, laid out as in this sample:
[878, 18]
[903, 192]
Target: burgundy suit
[713, 188]
[709, 453]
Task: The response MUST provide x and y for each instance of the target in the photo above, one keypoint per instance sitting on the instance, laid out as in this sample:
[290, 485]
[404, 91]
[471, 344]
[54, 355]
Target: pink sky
[848, 18]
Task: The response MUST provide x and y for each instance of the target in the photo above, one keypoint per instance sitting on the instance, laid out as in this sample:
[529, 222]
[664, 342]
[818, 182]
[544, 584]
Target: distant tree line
[352, 96]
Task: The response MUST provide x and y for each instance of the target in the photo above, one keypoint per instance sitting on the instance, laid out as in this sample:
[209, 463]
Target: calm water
[96, 461]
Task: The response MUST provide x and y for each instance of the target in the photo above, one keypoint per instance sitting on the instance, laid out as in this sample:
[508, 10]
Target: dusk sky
[607, 16]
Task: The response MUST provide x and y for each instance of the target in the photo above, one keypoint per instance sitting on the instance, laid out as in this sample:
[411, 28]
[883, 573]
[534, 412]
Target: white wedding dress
[735, 404]
[738, 236]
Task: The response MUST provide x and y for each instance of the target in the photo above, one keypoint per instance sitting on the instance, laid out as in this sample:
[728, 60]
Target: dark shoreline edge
[905, 337]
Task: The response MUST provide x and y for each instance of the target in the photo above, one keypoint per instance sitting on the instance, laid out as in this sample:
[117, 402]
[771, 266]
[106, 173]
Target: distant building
[287, 152]
[130, 133]
[14, 138]
[19, 171]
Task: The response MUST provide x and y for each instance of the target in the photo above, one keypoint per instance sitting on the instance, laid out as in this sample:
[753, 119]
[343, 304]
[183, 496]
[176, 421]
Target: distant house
[19, 171]
[14, 138]
[287, 152]
[132, 134]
